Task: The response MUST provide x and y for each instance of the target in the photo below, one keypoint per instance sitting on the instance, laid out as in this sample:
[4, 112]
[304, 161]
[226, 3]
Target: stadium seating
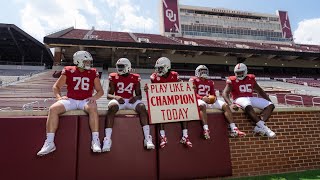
[157, 39]
[113, 36]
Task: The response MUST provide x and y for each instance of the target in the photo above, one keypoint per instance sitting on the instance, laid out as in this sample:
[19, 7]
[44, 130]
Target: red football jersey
[204, 87]
[80, 84]
[242, 88]
[124, 85]
[173, 77]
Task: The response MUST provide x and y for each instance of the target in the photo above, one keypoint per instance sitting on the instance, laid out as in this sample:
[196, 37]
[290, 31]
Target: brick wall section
[296, 147]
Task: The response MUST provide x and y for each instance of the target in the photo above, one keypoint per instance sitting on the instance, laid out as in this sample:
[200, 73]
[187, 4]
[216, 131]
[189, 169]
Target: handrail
[292, 100]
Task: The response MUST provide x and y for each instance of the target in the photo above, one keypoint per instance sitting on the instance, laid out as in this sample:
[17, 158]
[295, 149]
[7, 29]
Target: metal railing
[288, 96]
[315, 103]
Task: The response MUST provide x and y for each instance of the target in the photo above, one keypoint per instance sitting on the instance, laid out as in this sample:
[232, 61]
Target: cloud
[127, 14]
[308, 32]
[39, 18]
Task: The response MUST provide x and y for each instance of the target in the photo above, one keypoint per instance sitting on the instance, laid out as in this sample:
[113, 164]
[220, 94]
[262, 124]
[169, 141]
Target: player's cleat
[265, 131]
[148, 142]
[106, 144]
[163, 141]
[258, 131]
[237, 133]
[47, 148]
[185, 140]
[206, 134]
[268, 132]
[95, 146]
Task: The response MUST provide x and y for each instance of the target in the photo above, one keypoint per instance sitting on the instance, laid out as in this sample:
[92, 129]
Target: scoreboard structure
[219, 23]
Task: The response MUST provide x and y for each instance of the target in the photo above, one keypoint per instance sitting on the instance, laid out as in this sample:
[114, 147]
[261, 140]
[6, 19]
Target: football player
[81, 81]
[125, 93]
[205, 87]
[241, 86]
[164, 74]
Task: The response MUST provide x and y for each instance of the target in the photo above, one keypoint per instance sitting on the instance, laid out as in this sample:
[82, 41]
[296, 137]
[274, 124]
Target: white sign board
[172, 102]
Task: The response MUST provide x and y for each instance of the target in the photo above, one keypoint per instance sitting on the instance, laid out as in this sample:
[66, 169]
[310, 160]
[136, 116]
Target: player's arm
[98, 88]
[111, 90]
[260, 91]
[226, 94]
[137, 91]
[58, 85]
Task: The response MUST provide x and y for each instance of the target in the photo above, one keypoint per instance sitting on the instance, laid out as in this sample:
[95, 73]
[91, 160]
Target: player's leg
[113, 108]
[234, 131]
[52, 124]
[185, 137]
[163, 138]
[92, 110]
[204, 118]
[140, 108]
[268, 108]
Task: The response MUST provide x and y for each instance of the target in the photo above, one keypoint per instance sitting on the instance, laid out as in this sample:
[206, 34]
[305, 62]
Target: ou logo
[171, 15]
[245, 88]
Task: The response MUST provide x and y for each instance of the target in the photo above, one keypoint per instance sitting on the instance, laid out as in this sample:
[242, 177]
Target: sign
[285, 24]
[172, 102]
[171, 16]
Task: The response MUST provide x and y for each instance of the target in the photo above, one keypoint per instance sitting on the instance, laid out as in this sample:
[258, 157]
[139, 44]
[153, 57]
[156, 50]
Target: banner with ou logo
[171, 16]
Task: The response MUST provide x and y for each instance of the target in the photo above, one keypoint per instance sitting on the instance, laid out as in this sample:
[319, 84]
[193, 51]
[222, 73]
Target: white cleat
[106, 145]
[47, 148]
[265, 131]
[148, 142]
[268, 132]
[95, 146]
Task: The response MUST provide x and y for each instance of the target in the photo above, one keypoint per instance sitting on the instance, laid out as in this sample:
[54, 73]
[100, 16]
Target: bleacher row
[305, 82]
[35, 93]
[158, 39]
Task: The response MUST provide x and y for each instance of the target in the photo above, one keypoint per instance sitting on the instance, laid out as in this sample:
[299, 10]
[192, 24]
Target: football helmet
[163, 65]
[79, 57]
[202, 71]
[123, 66]
[240, 70]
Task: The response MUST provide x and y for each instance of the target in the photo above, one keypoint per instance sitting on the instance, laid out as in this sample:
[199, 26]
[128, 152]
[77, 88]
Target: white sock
[185, 132]
[232, 126]
[50, 137]
[205, 127]
[260, 124]
[146, 131]
[162, 133]
[108, 132]
[95, 136]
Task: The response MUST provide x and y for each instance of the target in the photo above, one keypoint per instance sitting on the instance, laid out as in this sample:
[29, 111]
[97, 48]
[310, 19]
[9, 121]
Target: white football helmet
[202, 71]
[123, 66]
[79, 57]
[163, 65]
[240, 68]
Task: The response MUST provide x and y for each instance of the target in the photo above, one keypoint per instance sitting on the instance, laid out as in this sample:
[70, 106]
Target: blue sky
[40, 18]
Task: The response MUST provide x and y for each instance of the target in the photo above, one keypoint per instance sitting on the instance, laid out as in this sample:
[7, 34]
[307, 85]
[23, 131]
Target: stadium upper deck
[220, 23]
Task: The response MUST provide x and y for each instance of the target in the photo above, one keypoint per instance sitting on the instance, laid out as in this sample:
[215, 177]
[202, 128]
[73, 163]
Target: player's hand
[206, 99]
[194, 87]
[120, 100]
[92, 100]
[62, 98]
[146, 88]
[133, 100]
[234, 107]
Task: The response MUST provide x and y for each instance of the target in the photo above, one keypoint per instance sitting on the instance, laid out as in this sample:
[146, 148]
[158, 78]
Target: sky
[40, 18]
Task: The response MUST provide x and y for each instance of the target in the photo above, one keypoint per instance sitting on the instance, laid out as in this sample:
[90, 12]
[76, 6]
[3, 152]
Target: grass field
[303, 175]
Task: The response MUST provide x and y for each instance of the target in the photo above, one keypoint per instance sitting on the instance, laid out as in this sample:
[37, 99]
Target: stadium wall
[296, 148]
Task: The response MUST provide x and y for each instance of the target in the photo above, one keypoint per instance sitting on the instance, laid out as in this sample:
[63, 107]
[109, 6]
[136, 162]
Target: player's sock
[162, 133]
[50, 137]
[108, 132]
[205, 127]
[146, 130]
[185, 132]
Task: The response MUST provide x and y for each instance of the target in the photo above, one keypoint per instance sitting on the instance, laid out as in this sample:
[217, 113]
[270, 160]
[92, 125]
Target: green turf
[303, 175]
